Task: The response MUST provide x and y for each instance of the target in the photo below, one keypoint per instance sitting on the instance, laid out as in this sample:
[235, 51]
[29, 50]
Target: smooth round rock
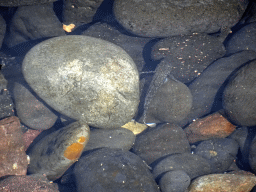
[108, 169]
[193, 165]
[220, 153]
[161, 141]
[164, 18]
[174, 181]
[239, 98]
[31, 111]
[84, 78]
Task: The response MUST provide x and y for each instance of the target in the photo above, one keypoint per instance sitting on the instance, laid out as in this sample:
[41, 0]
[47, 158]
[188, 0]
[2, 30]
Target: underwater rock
[56, 152]
[239, 98]
[31, 111]
[84, 78]
[113, 170]
[164, 18]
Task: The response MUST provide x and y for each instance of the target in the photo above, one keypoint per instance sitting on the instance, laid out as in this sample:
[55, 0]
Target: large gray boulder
[84, 78]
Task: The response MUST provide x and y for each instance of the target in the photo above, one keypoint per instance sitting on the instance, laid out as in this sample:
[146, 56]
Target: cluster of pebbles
[128, 95]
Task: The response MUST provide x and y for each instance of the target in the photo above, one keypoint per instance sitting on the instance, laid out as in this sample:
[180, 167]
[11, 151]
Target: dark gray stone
[161, 141]
[108, 169]
[164, 18]
[206, 86]
[112, 138]
[252, 155]
[132, 45]
[244, 39]
[2, 30]
[31, 111]
[84, 78]
[33, 22]
[188, 55]
[56, 152]
[17, 3]
[80, 12]
[220, 153]
[239, 98]
[174, 181]
[193, 165]
[167, 99]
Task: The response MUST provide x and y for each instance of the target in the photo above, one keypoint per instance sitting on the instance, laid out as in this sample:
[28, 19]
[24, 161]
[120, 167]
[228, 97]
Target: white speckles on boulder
[84, 78]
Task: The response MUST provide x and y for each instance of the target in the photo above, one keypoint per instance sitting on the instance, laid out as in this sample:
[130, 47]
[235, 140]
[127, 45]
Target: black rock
[244, 39]
[205, 87]
[220, 153]
[161, 141]
[239, 98]
[108, 169]
[174, 181]
[188, 55]
[33, 22]
[170, 18]
[193, 165]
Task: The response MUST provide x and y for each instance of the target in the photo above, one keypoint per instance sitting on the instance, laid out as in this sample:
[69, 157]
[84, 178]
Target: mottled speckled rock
[112, 138]
[239, 98]
[31, 111]
[169, 18]
[132, 45]
[188, 55]
[193, 165]
[244, 39]
[223, 182]
[34, 182]
[113, 170]
[56, 152]
[13, 159]
[84, 78]
[205, 87]
[161, 141]
[220, 153]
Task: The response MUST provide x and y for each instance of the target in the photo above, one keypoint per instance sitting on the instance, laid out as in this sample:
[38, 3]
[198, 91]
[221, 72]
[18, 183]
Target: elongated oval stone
[56, 152]
[84, 78]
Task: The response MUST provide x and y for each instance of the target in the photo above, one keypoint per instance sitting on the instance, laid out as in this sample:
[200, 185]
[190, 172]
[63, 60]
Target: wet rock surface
[91, 79]
[153, 57]
[56, 152]
[239, 96]
[220, 153]
[209, 127]
[223, 182]
[160, 141]
[193, 165]
[32, 111]
[13, 159]
[113, 170]
[184, 17]
[188, 55]
[111, 138]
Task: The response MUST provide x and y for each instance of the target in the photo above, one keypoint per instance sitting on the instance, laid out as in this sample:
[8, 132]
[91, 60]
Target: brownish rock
[212, 126]
[13, 159]
[35, 183]
[223, 183]
[29, 137]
